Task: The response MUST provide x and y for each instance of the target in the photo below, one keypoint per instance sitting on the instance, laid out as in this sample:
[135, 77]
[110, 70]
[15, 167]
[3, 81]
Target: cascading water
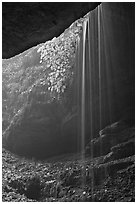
[83, 98]
[99, 65]
[93, 75]
[81, 65]
[88, 63]
[101, 76]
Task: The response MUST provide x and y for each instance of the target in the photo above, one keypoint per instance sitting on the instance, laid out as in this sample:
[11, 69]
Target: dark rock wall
[119, 24]
[113, 94]
[27, 24]
[119, 19]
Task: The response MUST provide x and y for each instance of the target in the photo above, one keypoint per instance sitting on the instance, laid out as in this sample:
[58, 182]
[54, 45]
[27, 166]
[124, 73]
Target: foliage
[58, 56]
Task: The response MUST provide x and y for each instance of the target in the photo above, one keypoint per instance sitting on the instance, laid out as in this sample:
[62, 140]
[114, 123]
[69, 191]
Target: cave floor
[61, 179]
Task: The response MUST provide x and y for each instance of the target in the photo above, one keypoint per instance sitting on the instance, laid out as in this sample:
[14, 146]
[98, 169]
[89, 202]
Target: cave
[68, 85]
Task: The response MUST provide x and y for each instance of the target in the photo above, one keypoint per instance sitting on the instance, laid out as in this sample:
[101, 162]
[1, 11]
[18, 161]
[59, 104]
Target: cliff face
[39, 97]
[40, 105]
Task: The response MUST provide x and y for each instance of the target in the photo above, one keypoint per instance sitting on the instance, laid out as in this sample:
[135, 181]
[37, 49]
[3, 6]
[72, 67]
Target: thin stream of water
[99, 66]
[83, 100]
[89, 63]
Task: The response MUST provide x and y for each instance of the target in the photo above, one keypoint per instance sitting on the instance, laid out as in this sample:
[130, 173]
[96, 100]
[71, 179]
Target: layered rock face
[40, 100]
[115, 141]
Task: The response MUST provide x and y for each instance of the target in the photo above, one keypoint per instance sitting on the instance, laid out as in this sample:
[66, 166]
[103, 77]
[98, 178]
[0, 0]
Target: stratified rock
[116, 135]
[121, 151]
[124, 150]
[102, 171]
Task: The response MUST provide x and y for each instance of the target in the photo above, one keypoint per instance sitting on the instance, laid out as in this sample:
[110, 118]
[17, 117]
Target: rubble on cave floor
[68, 179]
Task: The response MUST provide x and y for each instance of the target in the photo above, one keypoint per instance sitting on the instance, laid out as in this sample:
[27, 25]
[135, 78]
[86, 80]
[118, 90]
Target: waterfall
[102, 74]
[94, 76]
[89, 74]
[83, 88]
[99, 65]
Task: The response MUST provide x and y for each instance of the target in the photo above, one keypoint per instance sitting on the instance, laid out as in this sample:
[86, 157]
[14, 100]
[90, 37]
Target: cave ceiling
[25, 25]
